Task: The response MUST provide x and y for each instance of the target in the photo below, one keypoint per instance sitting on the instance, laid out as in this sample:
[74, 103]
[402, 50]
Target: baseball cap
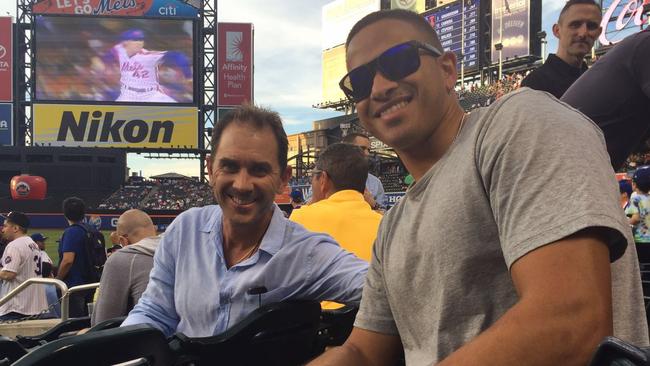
[624, 186]
[297, 195]
[38, 237]
[132, 35]
[17, 218]
[642, 176]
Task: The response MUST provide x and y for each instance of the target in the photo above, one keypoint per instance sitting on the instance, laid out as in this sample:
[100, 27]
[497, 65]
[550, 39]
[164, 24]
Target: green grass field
[52, 235]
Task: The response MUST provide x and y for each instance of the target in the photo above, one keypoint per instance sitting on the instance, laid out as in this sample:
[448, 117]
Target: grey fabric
[124, 279]
[518, 177]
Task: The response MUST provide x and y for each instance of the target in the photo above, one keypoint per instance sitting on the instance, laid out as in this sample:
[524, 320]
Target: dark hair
[258, 117]
[407, 16]
[350, 137]
[570, 3]
[346, 166]
[74, 209]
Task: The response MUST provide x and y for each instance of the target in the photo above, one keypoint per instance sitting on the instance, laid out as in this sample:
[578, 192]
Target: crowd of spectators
[159, 194]
[482, 95]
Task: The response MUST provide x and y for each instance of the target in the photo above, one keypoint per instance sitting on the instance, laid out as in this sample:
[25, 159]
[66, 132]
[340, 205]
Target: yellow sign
[115, 126]
[333, 70]
[412, 5]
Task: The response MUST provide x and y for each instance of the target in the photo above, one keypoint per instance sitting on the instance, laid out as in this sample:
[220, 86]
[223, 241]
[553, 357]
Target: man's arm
[7, 275]
[362, 348]
[564, 308]
[113, 292]
[65, 265]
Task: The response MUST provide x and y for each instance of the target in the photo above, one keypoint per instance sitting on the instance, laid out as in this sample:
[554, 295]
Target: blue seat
[70, 325]
[10, 351]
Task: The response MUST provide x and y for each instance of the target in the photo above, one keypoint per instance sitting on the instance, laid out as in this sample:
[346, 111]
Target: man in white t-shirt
[20, 262]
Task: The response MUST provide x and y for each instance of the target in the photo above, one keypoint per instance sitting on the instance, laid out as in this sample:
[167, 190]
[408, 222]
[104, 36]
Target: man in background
[20, 262]
[374, 193]
[338, 207]
[74, 263]
[126, 272]
[576, 30]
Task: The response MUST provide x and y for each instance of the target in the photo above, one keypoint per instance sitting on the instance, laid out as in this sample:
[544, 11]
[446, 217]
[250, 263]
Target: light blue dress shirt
[192, 291]
[376, 189]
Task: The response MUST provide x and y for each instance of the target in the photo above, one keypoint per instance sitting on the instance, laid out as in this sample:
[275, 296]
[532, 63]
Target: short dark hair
[407, 16]
[74, 209]
[350, 137]
[570, 3]
[258, 117]
[346, 166]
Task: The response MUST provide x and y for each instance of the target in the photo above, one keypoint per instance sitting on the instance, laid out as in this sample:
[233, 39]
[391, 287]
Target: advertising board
[235, 63]
[510, 28]
[115, 126]
[154, 8]
[6, 59]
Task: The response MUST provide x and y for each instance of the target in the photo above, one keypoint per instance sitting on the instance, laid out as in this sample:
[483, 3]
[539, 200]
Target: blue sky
[287, 63]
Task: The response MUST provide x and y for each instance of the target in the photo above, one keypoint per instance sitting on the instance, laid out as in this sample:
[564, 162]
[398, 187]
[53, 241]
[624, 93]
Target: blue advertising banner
[147, 8]
[106, 222]
[6, 124]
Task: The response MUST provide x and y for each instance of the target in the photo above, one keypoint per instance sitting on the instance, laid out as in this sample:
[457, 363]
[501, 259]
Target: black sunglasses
[395, 64]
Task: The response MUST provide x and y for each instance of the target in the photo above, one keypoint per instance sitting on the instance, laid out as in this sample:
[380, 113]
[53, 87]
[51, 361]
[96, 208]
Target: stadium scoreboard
[457, 25]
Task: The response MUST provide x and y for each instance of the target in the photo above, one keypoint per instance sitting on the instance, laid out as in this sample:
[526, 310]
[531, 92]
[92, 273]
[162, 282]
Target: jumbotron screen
[114, 59]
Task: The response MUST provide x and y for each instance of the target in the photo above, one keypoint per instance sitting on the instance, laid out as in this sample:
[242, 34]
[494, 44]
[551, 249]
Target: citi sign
[104, 127]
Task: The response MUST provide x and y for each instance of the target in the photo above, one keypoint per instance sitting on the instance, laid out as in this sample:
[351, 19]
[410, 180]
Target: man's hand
[564, 308]
[65, 265]
[370, 199]
[363, 348]
[7, 275]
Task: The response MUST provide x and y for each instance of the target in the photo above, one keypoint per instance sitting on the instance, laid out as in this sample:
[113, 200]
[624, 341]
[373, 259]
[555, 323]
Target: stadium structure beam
[24, 71]
[208, 69]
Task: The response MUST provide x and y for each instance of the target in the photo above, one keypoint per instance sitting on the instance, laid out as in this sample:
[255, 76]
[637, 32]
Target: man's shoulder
[198, 215]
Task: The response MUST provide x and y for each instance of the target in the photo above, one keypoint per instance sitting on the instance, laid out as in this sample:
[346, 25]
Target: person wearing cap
[138, 68]
[39, 239]
[641, 210]
[20, 262]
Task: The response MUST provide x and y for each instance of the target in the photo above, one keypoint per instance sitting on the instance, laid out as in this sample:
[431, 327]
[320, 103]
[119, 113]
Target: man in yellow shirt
[338, 207]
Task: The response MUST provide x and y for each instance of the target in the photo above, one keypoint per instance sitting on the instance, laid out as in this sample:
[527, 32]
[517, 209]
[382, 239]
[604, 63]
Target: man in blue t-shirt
[73, 260]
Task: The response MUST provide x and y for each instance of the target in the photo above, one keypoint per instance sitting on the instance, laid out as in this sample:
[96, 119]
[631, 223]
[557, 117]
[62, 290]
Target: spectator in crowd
[297, 199]
[45, 260]
[641, 209]
[20, 263]
[576, 30]
[126, 272]
[615, 93]
[508, 273]
[625, 189]
[374, 193]
[73, 256]
[113, 249]
[46, 270]
[243, 243]
[338, 207]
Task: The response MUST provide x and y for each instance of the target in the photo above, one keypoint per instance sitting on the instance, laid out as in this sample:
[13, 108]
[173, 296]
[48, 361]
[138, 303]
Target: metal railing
[65, 292]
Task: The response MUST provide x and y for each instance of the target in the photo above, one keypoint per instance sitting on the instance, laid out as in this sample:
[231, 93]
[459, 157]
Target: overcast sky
[287, 63]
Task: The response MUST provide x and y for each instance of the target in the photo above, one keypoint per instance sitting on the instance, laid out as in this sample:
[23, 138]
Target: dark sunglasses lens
[399, 62]
[358, 83]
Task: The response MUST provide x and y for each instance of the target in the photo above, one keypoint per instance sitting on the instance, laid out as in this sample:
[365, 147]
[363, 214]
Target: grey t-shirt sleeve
[547, 175]
[374, 312]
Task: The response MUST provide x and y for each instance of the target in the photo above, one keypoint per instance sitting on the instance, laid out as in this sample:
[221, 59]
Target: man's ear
[326, 185]
[208, 164]
[556, 30]
[448, 64]
[284, 177]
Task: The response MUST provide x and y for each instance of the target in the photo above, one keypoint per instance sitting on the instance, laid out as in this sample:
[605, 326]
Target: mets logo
[406, 4]
[95, 221]
[22, 188]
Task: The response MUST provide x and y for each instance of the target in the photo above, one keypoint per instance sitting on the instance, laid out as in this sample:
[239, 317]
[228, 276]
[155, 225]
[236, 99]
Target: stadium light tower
[499, 46]
[541, 35]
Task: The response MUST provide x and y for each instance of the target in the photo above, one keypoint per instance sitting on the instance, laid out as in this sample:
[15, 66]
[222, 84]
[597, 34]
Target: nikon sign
[115, 126]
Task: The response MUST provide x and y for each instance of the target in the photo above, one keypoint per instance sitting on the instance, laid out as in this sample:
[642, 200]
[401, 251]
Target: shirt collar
[556, 61]
[346, 195]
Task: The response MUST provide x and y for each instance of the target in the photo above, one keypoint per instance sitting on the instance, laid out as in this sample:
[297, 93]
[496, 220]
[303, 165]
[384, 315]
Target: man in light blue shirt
[375, 190]
[210, 258]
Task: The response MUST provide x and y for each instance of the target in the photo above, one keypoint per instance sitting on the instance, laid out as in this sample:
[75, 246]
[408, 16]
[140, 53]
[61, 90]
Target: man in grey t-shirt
[479, 263]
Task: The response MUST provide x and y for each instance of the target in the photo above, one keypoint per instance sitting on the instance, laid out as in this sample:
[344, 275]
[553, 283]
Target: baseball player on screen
[139, 69]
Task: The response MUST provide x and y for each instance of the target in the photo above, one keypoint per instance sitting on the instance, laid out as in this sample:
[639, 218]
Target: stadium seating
[275, 334]
[70, 325]
[614, 352]
[106, 347]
